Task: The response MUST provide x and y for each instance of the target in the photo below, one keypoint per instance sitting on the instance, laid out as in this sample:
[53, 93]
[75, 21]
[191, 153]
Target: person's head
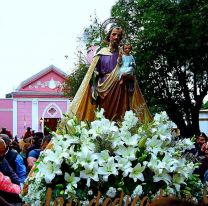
[45, 141]
[37, 139]
[201, 138]
[3, 129]
[2, 149]
[127, 48]
[6, 139]
[28, 129]
[114, 36]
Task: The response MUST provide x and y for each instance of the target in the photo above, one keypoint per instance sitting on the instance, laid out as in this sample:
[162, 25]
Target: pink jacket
[7, 186]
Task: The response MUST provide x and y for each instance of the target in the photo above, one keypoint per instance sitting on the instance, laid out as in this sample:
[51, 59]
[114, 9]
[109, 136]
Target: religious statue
[100, 87]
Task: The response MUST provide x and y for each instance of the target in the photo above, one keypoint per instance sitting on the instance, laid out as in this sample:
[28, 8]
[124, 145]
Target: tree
[170, 42]
[72, 83]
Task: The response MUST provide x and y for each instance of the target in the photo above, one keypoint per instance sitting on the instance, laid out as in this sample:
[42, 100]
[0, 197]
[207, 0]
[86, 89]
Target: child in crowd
[126, 61]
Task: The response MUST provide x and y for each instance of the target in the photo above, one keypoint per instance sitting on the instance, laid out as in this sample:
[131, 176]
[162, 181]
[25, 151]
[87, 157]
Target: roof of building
[41, 73]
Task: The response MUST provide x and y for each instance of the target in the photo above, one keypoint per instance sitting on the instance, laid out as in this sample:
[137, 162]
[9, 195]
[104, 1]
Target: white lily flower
[128, 139]
[103, 157]
[161, 117]
[130, 120]
[100, 114]
[127, 152]
[86, 157]
[108, 168]
[57, 155]
[71, 123]
[90, 173]
[154, 145]
[177, 180]
[49, 170]
[71, 179]
[136, 173]
[116, 141]
[124, 165]
[162, 175]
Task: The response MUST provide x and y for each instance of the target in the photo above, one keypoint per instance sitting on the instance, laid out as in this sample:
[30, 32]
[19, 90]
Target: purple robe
[106, 64]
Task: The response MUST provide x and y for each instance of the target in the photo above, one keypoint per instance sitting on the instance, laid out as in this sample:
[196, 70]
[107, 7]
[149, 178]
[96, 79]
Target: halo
[107, 24]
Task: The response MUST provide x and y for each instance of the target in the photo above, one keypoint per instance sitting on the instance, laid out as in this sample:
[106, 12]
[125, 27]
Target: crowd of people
[17, 157]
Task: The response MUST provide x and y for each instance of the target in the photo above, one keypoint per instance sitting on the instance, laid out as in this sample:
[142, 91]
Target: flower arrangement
[110, 157]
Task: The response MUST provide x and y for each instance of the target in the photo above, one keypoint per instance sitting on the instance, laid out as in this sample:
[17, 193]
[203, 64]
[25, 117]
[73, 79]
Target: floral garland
[139, 159]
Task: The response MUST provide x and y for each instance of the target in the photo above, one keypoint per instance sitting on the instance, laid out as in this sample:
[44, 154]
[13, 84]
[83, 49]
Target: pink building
[38, 102]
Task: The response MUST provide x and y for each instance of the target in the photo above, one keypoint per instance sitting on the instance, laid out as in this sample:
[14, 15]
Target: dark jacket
[6, 169]
[17, 163]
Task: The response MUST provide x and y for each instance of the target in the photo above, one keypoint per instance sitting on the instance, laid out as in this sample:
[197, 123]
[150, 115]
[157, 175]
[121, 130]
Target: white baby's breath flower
[111, 192]
[85, 203]
[137, 191]
[90, 192]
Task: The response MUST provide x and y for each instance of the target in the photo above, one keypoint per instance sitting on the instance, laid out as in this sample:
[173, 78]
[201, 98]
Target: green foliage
[92, 33]
[170, 44]
[205, 105]
[74, 80]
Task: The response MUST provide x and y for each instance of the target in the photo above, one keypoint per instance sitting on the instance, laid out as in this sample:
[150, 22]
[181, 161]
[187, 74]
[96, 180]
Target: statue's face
[116, 36]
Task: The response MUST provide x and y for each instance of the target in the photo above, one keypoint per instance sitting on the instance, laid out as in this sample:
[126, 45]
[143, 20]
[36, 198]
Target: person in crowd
[15, 145]
[197, 151]
[9, 192]
[7, 185]
[36, 142]
[5, 168]
[35, 153]
[101, 89]
[27, 134]
[204, 147]
[7, 132]
[201, 139]
[23, 152]
[200, 152]
[15, 159]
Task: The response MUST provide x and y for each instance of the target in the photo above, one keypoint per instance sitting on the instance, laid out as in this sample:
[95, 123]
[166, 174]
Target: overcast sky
[37, 33]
